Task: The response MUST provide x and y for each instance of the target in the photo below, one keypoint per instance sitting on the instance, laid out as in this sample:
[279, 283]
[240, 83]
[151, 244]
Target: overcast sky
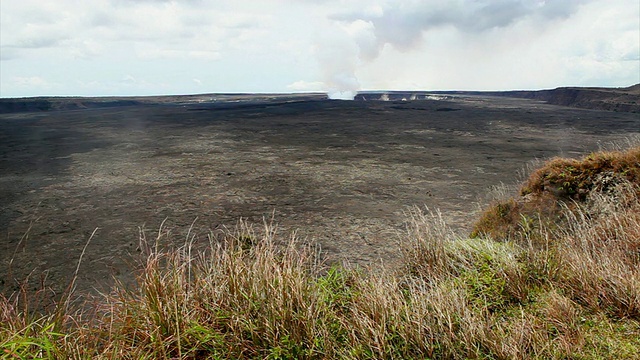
[144, 47]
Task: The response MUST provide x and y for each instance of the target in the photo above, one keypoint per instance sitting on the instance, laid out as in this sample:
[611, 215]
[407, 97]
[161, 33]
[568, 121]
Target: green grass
[551, 285]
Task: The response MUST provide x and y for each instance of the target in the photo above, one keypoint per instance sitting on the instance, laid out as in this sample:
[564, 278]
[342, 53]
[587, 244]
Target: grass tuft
[549, 275]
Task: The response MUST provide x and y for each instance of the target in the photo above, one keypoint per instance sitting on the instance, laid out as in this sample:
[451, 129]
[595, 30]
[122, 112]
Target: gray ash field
[340, 173]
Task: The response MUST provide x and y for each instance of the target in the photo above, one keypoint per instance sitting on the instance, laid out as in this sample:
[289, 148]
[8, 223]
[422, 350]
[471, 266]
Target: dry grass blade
[559, 284]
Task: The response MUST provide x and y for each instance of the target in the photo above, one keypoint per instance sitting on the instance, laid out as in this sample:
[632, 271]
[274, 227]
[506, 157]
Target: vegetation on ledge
[552, 273]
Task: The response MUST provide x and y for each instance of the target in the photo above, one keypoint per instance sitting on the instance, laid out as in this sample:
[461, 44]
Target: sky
[155, 47]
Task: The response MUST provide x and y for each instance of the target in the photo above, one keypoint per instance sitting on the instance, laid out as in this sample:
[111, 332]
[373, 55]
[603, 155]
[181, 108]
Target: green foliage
[36, 341]
[336, 292]
[610, 339]
[336, 288]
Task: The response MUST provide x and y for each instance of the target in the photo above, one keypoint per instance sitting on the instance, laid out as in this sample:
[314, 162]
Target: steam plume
[402, 24]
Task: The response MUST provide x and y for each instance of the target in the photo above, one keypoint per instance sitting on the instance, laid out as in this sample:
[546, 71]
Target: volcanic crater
[341, 174]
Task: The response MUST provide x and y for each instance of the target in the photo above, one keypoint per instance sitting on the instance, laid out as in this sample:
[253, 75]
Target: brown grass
[556, 185]
[566, 286]
[576, 178]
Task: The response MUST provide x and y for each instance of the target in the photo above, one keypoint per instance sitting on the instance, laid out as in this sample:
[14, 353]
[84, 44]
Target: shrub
[557, 185]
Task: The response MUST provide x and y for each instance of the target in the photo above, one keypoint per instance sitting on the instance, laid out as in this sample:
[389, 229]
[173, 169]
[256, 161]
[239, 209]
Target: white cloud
[27, 83]
[334, 45]
[154, 53]
[31, 81]
[427, 45]
[302, 85]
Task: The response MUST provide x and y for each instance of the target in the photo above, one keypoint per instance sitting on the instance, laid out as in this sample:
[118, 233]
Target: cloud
[153, 53]
[402, 23]
[37, 42]
[170, 25]
[545, 49]
[302, 85]
[333, 45]
[7, 53]
[485, 29]
[131, 83]
[31, 81]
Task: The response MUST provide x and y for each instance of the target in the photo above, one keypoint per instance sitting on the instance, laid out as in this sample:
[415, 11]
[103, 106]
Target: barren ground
[340, 173]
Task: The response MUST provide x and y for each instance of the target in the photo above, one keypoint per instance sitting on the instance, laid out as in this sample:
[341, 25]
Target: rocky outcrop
[612, 99]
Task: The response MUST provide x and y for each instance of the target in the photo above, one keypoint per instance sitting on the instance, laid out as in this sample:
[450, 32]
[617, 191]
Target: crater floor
[340, 173]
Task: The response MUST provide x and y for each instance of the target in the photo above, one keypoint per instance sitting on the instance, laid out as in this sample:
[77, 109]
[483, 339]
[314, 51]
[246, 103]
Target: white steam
[359, 37]
[340, 54]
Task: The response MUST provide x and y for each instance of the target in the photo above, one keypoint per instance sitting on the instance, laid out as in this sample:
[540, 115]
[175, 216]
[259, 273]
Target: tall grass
[551, 292]
[600, 258]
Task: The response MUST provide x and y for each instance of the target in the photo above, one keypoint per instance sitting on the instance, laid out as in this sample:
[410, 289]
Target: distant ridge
[51, 103]
[625, 99]
[600, 98]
